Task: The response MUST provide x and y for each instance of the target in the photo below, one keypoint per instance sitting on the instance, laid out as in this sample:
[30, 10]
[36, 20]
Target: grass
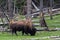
[55, 22]
[39, 35]
[51, 23]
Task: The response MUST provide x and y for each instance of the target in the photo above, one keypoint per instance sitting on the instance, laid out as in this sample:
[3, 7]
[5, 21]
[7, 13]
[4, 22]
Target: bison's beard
[32, 31]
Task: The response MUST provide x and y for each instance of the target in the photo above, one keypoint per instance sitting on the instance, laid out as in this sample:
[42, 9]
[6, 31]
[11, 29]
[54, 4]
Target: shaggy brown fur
[24, 25]
[26, 22]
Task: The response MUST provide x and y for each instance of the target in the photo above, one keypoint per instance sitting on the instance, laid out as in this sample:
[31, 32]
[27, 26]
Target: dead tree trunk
[14, 8]
[10, 9]
[42, 20]
[29, 8]
[50, 13]
[50, 9]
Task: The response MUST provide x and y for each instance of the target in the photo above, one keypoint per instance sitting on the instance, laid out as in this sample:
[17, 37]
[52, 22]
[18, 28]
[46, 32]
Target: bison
[25, 26]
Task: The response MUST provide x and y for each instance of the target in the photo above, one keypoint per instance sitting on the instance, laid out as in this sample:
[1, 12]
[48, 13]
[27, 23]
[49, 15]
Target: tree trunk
[42, 20]
[50, 9]
[14, 8]
[50, 12]
[10, 9]
[29, 8]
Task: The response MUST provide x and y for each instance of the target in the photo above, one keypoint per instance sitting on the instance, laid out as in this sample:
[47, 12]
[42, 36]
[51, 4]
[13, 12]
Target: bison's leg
[26, 33]
[14, 31]
[26, 30]
[23, 32]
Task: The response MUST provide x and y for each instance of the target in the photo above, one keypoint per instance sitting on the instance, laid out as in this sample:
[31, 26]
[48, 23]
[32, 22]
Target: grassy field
[40, 35]
[43, 35]
[51, 23]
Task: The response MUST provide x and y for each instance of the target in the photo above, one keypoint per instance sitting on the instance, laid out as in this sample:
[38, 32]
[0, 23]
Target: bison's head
[33, 31]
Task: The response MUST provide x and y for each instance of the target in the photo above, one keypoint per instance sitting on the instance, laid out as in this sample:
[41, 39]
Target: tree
[29, 8]
[10, 9]
[42, 20]
[50, 9]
